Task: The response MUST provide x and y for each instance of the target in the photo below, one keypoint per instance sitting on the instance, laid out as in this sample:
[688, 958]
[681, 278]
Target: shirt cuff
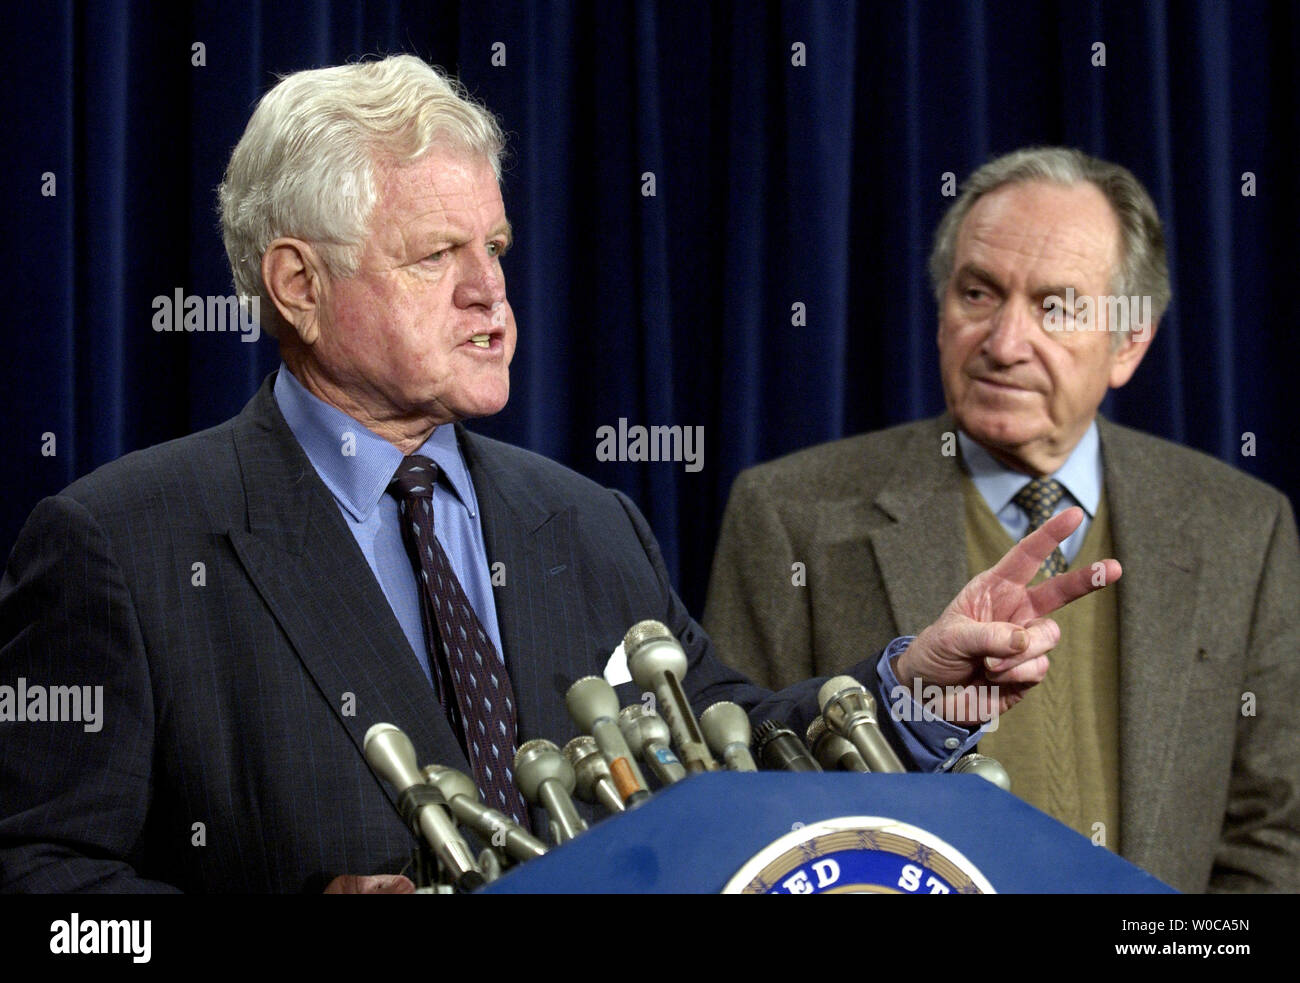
[934, 743]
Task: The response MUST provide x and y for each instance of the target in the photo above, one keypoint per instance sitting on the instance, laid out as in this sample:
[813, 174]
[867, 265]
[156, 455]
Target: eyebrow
[455, 237]
[979, 273]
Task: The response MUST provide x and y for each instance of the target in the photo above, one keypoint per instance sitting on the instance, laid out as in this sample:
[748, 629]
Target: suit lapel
[306, 565]
[541, 612]
[1157, 635]
[922, 553]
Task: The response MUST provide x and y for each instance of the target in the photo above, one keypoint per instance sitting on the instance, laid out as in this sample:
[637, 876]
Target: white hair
[305, 166]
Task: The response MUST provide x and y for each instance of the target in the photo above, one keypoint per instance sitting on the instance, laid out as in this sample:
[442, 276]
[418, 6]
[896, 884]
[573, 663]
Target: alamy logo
[102, 937]
[194, 313]
[981, 703]
[1083, 312]
[638, 443]
[56, 704]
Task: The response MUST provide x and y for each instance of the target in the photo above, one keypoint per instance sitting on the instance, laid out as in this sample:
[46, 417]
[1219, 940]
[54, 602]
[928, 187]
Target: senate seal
[859, 855]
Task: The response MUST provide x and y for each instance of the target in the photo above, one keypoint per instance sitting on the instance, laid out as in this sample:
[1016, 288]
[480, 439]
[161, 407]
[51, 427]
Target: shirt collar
[1081, 474]
[356, 464]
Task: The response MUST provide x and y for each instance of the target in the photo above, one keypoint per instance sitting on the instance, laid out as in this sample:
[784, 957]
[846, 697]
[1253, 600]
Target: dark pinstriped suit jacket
[241, 704]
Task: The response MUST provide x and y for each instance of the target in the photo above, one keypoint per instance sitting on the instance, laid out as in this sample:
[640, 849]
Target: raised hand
[996, 632]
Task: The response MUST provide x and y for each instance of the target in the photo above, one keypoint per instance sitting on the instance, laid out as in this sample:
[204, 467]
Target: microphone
[593, 705]
[780, 749]
[593, 780]
[831, 750]
[390, 753]
[546, 778]
[463, 797]
[726, 728]
[648, 737]
[850, 711]
[985, 767]
[657, 662]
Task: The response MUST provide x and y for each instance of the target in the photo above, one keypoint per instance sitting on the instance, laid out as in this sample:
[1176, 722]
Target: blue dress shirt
[1080, 475]
[356, 466]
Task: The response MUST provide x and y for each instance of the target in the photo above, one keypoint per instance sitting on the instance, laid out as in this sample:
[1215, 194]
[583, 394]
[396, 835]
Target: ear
[296, 282]
[1130, 353]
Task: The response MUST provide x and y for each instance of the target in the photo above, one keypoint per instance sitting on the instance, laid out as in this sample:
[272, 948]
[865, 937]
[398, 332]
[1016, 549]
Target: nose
[1011, 330]
[481, 283]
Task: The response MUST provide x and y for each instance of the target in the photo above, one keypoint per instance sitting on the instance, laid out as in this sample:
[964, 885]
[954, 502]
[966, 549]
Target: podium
[696, 835]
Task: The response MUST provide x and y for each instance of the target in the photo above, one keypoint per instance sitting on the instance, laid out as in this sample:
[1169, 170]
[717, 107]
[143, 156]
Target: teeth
[482, 340]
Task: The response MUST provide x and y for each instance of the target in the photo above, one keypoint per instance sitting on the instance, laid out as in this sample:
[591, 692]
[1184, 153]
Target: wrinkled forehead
[444, 198]
[1041, 231]
[444, 179]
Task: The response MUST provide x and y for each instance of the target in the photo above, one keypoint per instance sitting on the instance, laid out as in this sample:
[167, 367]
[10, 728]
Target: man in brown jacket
[1165, 728]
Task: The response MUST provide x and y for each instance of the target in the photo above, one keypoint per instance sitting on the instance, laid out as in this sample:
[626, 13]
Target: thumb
[979, 640]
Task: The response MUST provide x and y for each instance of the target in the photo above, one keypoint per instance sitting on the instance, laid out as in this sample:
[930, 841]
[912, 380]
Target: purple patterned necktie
[479, 700]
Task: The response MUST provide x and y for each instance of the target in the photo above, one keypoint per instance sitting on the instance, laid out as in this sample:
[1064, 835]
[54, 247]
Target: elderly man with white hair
[343, 552]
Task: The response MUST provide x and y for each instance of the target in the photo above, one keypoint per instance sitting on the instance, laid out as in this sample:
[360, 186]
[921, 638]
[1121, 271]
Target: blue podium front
[696, 836]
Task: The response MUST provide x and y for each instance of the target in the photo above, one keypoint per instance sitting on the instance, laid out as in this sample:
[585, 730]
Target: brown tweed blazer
[1209, 613]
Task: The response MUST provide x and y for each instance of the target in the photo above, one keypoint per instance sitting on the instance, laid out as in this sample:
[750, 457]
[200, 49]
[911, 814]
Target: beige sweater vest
[1060, 744]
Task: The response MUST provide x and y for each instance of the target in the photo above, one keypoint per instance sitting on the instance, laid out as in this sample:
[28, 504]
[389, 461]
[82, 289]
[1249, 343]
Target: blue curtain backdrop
[776, 184]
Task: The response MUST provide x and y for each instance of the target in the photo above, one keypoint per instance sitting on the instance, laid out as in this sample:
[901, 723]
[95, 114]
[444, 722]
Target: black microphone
[780, 749]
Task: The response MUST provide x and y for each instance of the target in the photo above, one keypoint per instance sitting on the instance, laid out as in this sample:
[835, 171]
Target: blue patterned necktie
[1038, 499]
[478, 698]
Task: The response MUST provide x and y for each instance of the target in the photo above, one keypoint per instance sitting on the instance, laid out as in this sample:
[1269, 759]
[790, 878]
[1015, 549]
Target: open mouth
[486, 341]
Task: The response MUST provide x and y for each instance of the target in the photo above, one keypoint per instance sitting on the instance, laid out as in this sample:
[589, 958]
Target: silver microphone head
[652, 649]
[538, 761]
[390, 753]
[837, 686]
[451, 782]
[725, 724]
[845, 701]
[590, 699]
[588, 765]
[832, 751]
[641, 727]
[987, 768]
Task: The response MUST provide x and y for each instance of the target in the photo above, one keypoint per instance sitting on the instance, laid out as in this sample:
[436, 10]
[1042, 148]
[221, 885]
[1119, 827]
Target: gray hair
[305, 166]
[1143, 268]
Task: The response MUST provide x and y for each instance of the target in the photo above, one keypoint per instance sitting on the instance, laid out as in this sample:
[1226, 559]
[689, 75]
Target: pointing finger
[1058, 591]
[1024, 559]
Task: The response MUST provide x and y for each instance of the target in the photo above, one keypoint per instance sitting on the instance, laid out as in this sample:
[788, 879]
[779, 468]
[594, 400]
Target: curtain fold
[772, 290]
